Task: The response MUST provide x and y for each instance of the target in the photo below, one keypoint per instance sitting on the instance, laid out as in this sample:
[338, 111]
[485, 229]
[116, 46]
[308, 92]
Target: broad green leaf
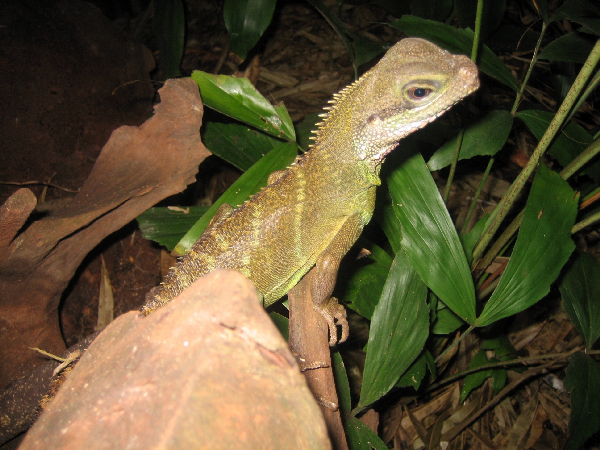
[282, 324]
[572, 47]
[429, 237]
[237, 98]
[237, 144]
[584, 12]
[543, 246]
[364, 279]
[502, 347]
[359, 436]
[471, 238]
[572, 140]
[168, 24]
[458, 42]
[583, 382]
[399, 329]
[474, 380]
[417, 371]
[249, 183]
[365, 50]
[392, 227]
[580, 290]
[341, 383]
[169, 224]
[446, 322]
[485, 137]
[246, 21]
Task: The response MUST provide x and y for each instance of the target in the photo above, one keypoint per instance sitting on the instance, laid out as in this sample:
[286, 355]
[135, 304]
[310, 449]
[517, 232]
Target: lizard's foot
[333, 312]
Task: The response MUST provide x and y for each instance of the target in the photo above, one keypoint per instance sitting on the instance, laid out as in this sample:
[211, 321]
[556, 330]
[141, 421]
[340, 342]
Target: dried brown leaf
[137, 168]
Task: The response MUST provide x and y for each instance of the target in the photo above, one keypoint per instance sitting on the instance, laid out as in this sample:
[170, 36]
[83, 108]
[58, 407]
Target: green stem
[566, 173]
[529, 70]
[585, 222]
[455, 343]
[544, 143]
[476, 196]
[459, 140]
[477, 33]
[513, 362]
[581, 159]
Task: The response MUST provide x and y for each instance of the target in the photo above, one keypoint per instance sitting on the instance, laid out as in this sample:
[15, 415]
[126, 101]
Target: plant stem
[585, 222]
[529, 70]
[512, 362]
[476, 196]
[455, 343]
[581, 159]
[544, 143]
[566, 173]
[459, 140]
[477, 33]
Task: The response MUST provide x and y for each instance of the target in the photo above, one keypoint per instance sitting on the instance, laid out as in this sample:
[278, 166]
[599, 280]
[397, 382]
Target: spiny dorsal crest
[338, 98]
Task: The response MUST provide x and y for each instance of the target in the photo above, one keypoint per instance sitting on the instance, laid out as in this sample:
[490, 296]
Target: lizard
[310, 214]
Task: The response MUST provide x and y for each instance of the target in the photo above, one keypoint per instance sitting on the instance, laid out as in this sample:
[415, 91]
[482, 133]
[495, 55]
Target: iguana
[309, 215]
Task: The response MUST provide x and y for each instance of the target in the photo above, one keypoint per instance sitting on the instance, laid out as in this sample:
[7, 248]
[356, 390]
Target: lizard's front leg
[322, 278]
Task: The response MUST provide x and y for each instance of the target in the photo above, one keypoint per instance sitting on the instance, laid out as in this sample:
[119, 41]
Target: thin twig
[42, 183]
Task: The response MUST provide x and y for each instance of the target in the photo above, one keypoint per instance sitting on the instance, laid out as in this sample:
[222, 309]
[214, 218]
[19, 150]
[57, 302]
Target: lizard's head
[414, 83]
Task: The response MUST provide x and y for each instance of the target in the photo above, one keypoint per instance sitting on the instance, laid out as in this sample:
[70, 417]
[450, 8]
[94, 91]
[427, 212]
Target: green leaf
[246, 21]
[168, 24]
[359, 436]
[458, 42]
[365, 278]
[543, 246]
[583, 382]
[237, 144]
[580, 290]
[365, 50]
[471, 238]
[341, 383]
[249, 183]
[392, 227]
[485, 137]
[429, 237]
[282, 324]
[237, 98]
[572, 140]
[447, 322]
[416, 372]
[168, 225]
[584, 12]
[399, 329]
[572, 47]
[502, 347]
[474, 380]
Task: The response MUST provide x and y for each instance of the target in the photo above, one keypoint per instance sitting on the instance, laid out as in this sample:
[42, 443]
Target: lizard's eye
[417, 93]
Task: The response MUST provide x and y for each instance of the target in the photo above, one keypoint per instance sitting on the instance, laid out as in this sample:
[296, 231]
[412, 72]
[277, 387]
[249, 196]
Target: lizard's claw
[333, 312]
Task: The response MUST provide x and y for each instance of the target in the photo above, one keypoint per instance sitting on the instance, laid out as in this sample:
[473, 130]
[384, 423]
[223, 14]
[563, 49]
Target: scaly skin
[309, 215]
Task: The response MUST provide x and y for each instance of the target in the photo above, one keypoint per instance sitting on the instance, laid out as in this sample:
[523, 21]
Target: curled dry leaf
[138, 167]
